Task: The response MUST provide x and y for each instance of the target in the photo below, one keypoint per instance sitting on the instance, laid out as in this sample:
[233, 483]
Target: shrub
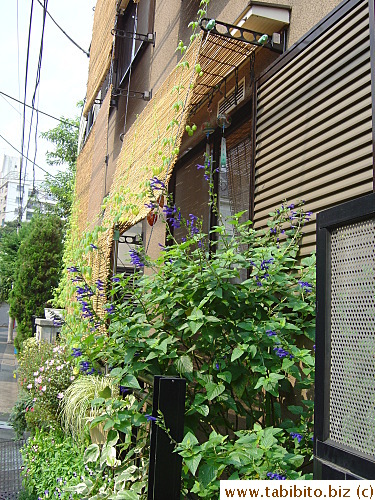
[44, 372]
[244, 346]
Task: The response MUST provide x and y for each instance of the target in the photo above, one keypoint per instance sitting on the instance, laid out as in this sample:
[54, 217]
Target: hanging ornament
[224, 121]
[208, 128]
[152, 216]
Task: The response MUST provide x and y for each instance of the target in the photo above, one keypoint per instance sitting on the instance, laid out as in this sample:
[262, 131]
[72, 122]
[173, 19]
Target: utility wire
[19, 152]
[37, 82]
[38, 111]
[60, 28]
[24, 100]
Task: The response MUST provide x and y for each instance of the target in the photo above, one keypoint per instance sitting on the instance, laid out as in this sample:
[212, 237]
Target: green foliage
[10, 240]
[17, 418]
[44, 372]
[38, 267]
[61, 185]
[244, 345]
[51, 461]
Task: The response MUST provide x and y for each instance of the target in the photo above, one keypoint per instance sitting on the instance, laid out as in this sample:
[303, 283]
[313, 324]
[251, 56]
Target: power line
[24, 100]
[19, 152]
[38, 111]
[69, 38]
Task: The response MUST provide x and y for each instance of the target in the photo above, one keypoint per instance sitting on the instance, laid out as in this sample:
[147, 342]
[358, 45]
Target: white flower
[44, 388]
[60, 395]
[36, 374]
[29, 386]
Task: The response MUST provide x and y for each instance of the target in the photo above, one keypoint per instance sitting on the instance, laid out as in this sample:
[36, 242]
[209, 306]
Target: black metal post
[164, 480]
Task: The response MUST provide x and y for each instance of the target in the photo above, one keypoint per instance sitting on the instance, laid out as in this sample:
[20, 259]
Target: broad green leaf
[91, 454]
[106, 392]
[112, 437]
[193, 463]
[227, 376]
[237, 353]
[108, 456]
[189, 440]
[296, 410]
[207, 473]
[203, 410]
[184, 365]
[213, 390]
[130, 381]
[195, 325]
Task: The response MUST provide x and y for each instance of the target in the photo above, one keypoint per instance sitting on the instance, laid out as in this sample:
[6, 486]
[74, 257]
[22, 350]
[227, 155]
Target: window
[136, 18]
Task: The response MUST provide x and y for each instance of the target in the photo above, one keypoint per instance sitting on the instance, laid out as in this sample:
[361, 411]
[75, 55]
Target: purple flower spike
[136, 259]
[150, 418]
[157, 184]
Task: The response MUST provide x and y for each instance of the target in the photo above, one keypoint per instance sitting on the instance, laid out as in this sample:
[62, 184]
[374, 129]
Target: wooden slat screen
[314, 125]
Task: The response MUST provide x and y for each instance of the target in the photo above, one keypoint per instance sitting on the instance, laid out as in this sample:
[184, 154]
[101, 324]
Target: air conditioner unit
[233, 97]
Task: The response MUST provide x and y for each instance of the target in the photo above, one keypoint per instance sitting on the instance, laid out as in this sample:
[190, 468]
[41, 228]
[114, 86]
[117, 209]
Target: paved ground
[8, 384]
[10, 458]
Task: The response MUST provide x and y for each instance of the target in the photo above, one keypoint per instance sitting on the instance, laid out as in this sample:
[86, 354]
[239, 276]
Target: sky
[63, 75]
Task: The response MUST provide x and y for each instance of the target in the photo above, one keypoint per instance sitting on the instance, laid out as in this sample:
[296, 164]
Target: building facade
[15, 196]
[298, 104]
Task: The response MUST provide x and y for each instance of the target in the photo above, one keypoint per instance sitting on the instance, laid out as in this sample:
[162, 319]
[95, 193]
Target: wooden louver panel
[314, 124]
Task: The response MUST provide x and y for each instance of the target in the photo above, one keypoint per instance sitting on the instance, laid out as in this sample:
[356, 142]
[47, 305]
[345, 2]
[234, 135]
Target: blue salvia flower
[76, 353]
[73, 269]
[307, 287]
[270, 333]
[135, 259]
[110, 309]
[169, 211]
[151, 205]
[150, 418]
[115, 279]
[282, 353]
[157, 184]
[295, 435]
[99, 285]
[274, 475]
[266, 263]
[94, 247]
[199, 167]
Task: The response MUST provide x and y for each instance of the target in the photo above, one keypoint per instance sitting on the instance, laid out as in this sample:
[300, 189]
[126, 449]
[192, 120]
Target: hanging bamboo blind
[139, 158]
[98, 170]
[100, 50]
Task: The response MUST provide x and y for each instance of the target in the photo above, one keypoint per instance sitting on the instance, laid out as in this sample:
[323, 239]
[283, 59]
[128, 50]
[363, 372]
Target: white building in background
[11, 192]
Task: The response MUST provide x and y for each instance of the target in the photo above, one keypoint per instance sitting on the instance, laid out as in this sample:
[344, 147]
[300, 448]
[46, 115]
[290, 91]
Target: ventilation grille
[232, 99]
[352, 385]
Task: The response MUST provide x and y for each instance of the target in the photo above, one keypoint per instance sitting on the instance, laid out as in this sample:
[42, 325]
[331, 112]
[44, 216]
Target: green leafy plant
[44, 372]
[51, 461]
[17, 417]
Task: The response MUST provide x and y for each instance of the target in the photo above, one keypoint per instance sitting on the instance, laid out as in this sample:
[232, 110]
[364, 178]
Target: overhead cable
[19, 152]
[41, 112]
[24, 101]
[69, 38]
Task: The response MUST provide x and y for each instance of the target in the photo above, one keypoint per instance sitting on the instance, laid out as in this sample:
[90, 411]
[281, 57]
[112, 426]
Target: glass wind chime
[224, 121]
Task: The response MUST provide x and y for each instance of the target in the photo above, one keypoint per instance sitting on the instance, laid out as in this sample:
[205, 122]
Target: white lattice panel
[352, 383]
